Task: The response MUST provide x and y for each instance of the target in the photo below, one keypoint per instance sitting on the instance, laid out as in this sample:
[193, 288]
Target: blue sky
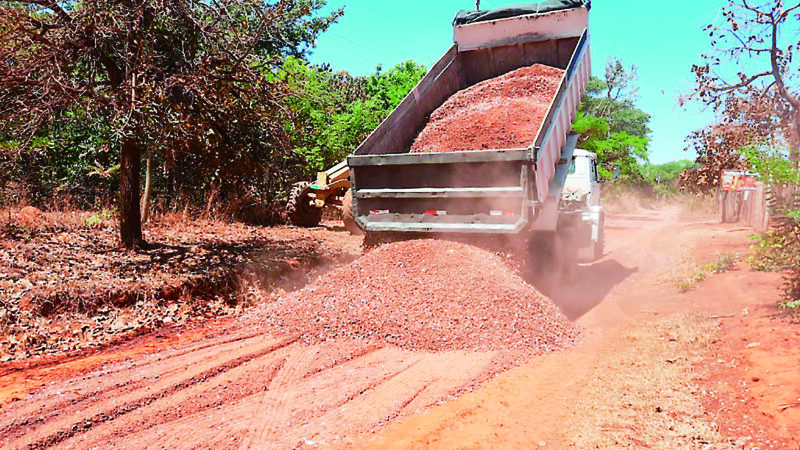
[663, 42]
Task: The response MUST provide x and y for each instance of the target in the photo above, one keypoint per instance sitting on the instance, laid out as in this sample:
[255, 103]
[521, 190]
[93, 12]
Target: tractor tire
[348, 219]
[301, 209]
[599, 244]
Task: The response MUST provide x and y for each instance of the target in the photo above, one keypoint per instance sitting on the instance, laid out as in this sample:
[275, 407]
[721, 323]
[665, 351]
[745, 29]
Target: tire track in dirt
[120, 381]
[269, 430]
[197, 399]
[129, 406]
[318, 392]
[309, 364]
[240, 383]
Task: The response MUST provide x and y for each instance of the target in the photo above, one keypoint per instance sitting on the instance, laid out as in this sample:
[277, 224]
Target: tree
[336, 111]
[763, 34]
[294, 32]
[180, 77]
[718, 148]
[611, 125]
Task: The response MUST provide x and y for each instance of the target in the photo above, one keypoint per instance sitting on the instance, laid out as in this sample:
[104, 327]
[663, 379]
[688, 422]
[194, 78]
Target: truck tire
[599, 244]
[301, 210]
[348, 219]
[545, 257]
[567, 248]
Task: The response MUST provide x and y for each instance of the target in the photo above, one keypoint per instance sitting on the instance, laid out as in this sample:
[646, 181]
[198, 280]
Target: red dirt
[66, 285]
[503, 112]
[427, 294]
[238, 385]
[750, 375]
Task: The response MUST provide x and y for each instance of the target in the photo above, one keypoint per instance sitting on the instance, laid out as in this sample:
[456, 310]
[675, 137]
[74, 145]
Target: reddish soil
[500, 113]
[751, 373]
[65, 285]
[422, 295]
[654, 368]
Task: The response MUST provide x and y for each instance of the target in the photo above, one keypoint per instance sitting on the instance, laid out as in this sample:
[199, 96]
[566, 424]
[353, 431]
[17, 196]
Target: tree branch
[776, 69]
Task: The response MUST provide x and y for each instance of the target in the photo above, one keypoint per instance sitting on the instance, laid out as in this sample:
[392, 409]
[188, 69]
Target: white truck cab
[581, 194]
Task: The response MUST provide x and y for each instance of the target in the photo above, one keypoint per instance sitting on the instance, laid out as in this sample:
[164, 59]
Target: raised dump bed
[504, 190]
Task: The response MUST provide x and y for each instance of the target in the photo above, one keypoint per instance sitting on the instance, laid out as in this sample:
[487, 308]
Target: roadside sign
[737, 181]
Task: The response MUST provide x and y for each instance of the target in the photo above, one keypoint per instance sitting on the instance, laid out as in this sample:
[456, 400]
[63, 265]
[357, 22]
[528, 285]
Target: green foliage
[778, 250]
[200, 93]
[691, 282]
[336, 111]
[612, 126]
[296, 30]
[772, 164]
[99, 219]
[723, 263]
[94, 221]
[772, 252]
[663, 178]
[792, 289]
[613, 148]
[667, 172]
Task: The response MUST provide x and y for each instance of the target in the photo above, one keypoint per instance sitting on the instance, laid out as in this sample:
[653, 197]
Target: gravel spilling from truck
[427, 295]
[500, 113]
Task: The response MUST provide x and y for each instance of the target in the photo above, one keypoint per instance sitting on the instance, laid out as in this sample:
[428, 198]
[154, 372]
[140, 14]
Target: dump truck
[517, 192]
[544, 196]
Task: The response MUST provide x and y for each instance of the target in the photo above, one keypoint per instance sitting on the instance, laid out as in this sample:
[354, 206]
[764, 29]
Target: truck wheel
[599, 244]
[567, 247]
[347, 214]
[545, 258]
[373, 239]
[301, 208]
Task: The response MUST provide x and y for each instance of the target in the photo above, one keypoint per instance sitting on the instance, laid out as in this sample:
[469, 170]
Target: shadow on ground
[589, 286]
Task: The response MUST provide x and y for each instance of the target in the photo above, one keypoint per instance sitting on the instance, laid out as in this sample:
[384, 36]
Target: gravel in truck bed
[500, 113]
[427, 295]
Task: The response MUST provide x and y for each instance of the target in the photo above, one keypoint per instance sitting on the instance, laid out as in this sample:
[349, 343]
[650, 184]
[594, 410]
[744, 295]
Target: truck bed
[483, 191]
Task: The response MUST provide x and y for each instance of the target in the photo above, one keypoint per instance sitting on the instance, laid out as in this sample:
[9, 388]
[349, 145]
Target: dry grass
[29, 220]
[648, 401]
[722, 264]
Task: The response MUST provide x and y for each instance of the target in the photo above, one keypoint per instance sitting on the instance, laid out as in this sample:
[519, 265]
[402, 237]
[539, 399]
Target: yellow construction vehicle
[331, 188]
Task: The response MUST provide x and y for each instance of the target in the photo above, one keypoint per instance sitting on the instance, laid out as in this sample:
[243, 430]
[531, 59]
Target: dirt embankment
[65, 284]
[500, 113]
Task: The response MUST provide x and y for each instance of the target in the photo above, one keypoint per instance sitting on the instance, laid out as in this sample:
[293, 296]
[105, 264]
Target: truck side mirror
[617, 173]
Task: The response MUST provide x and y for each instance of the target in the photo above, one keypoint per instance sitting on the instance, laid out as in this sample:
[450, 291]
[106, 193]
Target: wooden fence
[746, 207]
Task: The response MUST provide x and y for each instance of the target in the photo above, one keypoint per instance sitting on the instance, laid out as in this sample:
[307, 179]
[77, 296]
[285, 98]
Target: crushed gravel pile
[427, 294]
[503, 112]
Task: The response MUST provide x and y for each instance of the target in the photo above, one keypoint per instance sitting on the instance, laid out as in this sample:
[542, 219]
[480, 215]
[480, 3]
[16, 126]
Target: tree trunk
[148, 188]
[130, 223]
[794, 141]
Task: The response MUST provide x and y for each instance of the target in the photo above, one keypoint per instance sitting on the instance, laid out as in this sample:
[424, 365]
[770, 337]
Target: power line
[358, 44]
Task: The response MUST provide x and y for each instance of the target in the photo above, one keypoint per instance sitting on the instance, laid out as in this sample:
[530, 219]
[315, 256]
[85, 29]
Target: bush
[778, 249]
[772, 252]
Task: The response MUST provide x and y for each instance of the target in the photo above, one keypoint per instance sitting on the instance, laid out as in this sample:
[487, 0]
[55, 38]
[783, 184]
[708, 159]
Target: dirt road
[647, 372]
